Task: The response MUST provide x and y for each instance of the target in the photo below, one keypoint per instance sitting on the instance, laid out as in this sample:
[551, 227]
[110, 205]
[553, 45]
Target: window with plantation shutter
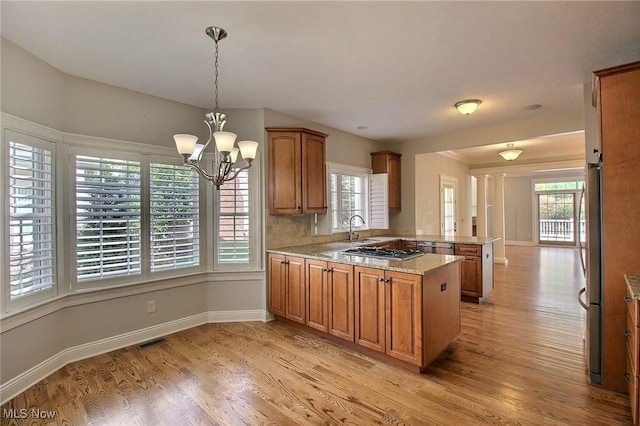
[107, 217]
[233, 221]
[31, 217]
[175, 230]
[348, 198]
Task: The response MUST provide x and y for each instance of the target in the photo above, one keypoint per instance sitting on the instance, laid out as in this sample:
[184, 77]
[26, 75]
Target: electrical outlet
[151, 306]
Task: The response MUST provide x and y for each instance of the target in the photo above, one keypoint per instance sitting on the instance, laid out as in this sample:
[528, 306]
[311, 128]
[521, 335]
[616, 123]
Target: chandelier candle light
[226, 152]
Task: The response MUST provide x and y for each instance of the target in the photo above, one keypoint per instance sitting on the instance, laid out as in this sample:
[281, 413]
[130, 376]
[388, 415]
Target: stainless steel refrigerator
[594, 266]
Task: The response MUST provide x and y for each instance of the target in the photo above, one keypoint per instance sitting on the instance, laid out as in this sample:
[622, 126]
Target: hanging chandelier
[511, 153]
[226, 153]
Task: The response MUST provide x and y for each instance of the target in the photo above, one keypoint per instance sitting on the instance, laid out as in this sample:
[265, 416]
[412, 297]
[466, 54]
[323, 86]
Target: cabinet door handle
[627, 377]
[382, 280]
[627, 299]
[627, 333]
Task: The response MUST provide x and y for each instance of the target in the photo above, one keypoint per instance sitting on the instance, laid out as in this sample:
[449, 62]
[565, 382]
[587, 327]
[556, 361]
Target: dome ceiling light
[467, 106]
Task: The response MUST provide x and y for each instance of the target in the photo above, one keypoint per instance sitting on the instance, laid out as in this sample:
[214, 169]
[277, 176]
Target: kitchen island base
[405, 318]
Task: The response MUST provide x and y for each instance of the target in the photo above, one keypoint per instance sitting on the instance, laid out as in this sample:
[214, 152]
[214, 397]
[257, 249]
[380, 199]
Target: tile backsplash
[286, 231]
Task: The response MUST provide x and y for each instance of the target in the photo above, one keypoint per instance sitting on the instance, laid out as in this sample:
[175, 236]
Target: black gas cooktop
[382, 253]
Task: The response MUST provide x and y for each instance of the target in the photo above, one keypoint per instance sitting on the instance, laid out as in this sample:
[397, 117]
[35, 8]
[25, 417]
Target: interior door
[448, 206]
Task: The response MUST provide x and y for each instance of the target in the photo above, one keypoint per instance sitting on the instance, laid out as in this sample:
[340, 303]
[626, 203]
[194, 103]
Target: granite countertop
[633, 281]
[450, 239]
[332, 252]
[432, 238]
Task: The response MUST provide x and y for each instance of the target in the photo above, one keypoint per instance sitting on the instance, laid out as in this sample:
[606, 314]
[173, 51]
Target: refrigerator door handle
[580, 231]
[582, 303]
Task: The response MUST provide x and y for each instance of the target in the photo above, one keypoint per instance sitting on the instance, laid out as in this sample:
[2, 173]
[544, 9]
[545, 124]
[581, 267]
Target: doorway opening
[448, 206]
[559, 214]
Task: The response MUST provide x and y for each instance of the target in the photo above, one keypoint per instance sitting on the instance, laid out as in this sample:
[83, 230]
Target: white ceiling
[394, 67]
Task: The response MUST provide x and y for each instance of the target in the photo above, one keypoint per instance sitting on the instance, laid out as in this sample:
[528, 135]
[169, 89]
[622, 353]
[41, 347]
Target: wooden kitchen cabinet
[476, 271]
[296, 172]
[406, 319]
[388, 313]
[633, 352]
[408, 245]
[329, 302]
[287, 287]
[370, 308]
[618, 122]
[389, 162]
[471, 276]
[394, 244]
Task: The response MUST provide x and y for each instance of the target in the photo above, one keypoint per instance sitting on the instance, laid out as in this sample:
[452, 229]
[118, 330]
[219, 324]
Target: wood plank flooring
[518, 360]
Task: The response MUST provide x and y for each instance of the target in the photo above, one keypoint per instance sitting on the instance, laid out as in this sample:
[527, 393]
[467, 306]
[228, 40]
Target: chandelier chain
[216, 77]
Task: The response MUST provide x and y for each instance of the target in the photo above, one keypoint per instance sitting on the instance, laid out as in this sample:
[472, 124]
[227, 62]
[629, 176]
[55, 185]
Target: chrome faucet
[350, 225]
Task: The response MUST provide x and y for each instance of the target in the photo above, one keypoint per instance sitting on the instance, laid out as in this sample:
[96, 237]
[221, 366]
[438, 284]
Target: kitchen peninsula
[476, 270]
[405, 312]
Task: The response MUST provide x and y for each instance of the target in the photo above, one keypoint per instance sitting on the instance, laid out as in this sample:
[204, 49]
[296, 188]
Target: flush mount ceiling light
[467, 106]
[511, 153]
[226, 153]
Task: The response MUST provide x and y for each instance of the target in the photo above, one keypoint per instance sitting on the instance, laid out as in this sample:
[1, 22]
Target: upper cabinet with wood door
[297, 180]
[389, 162]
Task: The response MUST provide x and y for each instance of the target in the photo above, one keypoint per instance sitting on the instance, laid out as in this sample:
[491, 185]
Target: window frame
[535, 226]
[23, 138]
[255, 228]
[198, 217]
[348, 170]
[65, 145]
[145, 274]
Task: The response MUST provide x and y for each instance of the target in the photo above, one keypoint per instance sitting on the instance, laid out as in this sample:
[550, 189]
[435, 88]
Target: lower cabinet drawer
[469, 250]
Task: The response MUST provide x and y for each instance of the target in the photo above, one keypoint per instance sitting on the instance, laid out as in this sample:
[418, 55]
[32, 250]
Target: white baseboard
[519, 243]
[239, 316]
[24, 381]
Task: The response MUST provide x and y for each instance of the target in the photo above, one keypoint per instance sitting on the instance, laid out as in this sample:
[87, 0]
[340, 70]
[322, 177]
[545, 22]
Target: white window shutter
[31, 212]
[379, 201]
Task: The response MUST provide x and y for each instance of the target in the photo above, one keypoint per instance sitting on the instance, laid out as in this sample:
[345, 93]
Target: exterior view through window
[560, 216]
[348, 198]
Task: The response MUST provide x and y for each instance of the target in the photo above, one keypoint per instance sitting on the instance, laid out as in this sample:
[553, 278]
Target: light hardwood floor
[518, 360]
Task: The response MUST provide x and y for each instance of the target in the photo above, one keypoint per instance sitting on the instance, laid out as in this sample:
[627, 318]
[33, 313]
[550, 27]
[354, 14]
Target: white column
[498, 220]
[481, 207]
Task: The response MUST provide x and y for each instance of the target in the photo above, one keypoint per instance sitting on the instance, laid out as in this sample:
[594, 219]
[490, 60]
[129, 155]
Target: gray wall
[518, 209]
